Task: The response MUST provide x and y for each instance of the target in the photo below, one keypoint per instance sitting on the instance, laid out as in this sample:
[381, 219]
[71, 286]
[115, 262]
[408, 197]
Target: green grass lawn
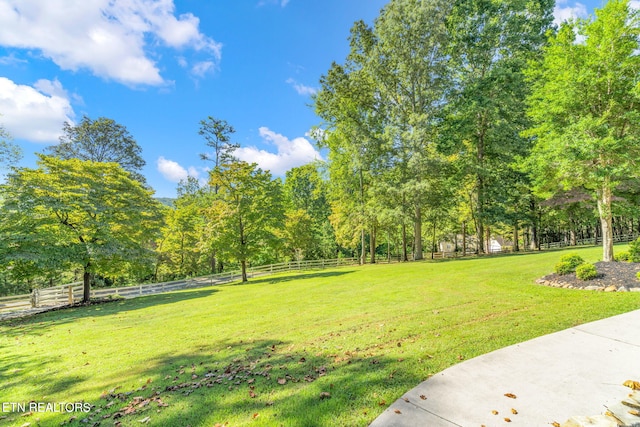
[326, 348]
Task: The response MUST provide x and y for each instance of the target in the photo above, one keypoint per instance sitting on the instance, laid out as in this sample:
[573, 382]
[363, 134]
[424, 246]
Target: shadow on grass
[37, 323]
[290, 277]
[260, 383]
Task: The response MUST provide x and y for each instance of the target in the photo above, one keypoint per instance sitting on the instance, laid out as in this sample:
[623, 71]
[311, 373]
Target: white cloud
[300, 88]
[290, 153]
[564, 13]
[34, 113]
[107, 37]
[281, 3]
[634, 4]
[173, 171]
[200, 69]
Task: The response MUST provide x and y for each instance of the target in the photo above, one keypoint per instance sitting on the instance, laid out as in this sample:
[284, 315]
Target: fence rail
[73, 292]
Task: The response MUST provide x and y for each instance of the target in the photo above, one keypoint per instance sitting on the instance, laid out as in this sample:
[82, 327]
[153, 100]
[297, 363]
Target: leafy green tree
[246, 212]
[306, 191]
[491, 42]
[585, 106]
[297, 233]
[10, 153]
[409, 65]
[180, 243]
[74, 213]
[100, 140]
[217, 133]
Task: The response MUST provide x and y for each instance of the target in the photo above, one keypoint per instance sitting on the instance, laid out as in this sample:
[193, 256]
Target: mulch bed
[622, 275]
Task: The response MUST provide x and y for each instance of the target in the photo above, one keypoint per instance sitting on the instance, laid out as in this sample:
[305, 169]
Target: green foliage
[624, 256]
[572, 259]
[564, 267]
[491, 42]
[100, 140]
[68, 214]
[634, 251]
[306, 196]
[10, 153]
[638, 275]
[586, 272]
[217, 133]
[245, 212]
[585, 108]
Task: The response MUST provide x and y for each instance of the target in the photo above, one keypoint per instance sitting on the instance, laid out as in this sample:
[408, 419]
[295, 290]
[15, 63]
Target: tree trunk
[417, 254]
[405, 257]
[480, 237]
[464, 238]
[372, 244]
[516, 237]
[363, 247]
[243, 264]
[433, 239]
[604, 209]
[487, 248]
[86, 281]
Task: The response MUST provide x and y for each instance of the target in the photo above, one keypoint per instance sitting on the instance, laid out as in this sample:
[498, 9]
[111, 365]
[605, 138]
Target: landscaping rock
[610, 274]
[623, 289]
[611, 288]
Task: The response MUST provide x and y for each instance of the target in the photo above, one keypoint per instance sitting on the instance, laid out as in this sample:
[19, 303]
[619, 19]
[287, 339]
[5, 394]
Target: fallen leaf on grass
[145, 420]
[325, 395]
[256, 415]
[382, 403]
[252, 394]
[633, 385]
[282, 381]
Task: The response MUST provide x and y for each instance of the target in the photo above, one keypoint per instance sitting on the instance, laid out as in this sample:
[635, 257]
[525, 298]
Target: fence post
[34, 298]
[70, 294]
[140, 290]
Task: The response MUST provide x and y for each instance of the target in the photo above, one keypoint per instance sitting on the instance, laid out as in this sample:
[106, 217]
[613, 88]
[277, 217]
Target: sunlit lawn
[326, 348]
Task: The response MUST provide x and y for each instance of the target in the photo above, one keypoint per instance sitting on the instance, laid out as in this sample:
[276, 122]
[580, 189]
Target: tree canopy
[585, 106]
[76, 213]
[100, 140]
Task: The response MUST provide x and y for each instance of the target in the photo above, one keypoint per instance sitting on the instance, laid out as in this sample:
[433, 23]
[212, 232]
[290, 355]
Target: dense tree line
[449, 121]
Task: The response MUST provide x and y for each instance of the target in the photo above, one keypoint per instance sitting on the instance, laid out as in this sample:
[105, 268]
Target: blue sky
[158, 67]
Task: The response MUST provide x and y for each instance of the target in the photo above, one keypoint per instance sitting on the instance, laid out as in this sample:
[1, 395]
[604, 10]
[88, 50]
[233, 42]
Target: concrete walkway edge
[576, 372]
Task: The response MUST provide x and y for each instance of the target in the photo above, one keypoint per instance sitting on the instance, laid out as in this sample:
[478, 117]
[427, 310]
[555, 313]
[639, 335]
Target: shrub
[634, 250]
[586, 272]
[573, 259]
[564, 267]
[623, 256]
[638, 275]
